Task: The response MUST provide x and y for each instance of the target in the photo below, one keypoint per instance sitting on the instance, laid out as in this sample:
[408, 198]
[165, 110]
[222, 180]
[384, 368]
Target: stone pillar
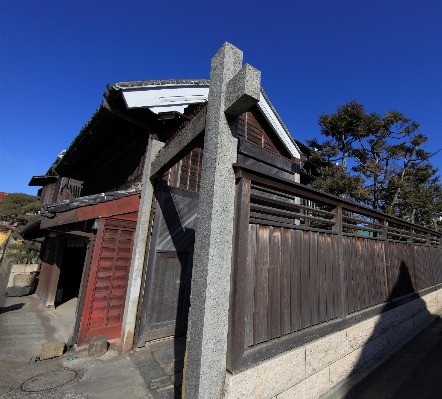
[139, 249]
[205, 364]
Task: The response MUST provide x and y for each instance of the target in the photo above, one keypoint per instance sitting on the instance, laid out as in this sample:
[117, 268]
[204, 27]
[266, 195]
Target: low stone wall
[20, 269]
[311, 370]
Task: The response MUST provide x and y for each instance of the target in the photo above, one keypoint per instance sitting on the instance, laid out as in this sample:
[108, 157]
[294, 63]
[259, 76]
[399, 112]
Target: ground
[152, 372]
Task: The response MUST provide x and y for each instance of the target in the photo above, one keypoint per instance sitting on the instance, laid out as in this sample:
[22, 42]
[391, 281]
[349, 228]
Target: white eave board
[270, 116]
[165, 99]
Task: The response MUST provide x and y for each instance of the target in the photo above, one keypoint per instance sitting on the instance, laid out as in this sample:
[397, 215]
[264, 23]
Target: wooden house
[179, 209]
[91, 197]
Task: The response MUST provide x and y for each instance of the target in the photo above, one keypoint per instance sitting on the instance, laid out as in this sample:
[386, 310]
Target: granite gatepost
[139, 249]
[205, 363]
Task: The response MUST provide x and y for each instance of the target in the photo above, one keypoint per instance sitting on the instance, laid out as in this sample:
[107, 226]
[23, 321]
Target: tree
[347, 127]
[17, 209]
[379, 159]
[334, 179]
[383, 163]
[420, 195]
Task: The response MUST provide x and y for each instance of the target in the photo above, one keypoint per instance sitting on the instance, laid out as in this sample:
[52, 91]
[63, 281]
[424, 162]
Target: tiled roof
[33, 223]
[156, 83]
[67, 205]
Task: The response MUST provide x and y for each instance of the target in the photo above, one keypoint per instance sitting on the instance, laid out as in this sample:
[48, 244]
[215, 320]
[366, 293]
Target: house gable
[174, 95]
[254, 129]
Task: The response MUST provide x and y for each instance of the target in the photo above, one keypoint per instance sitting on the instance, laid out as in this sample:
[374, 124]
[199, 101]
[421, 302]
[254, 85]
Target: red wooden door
[108, 278]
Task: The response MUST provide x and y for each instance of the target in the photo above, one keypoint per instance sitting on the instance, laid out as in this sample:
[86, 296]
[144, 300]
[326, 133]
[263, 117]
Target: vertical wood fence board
[322, 292]
[314, 286]
[274, 311]
[305, 279]
[329, 278]
[262, 289]
[353, 273]
[297, 275]
[361, 274]
[286, 248]
[370, 266]
[369, 252]
[352, 265]
[392, 262]
[335, 267]
[437, 270]
[383, 276]
[250, 301]
[295, 287]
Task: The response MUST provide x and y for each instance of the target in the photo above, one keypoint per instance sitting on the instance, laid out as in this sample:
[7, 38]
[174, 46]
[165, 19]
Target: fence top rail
[291, 187]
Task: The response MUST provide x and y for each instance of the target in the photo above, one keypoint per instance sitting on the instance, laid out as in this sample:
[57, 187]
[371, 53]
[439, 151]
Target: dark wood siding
[307, 264]
[186, 173]
[169, 265]
[121, 172]
[51, 256]
[294, 274]
[253, 128]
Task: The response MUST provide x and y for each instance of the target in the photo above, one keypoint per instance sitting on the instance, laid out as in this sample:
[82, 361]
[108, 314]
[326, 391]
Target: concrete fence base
[311, 370]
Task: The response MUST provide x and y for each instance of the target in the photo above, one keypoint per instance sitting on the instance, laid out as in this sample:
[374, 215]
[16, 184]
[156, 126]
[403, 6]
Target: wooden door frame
[55, 274]
[150, 263]
[82, 290]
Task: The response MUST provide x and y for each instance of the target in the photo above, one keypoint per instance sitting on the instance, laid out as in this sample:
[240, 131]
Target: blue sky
[57, 57]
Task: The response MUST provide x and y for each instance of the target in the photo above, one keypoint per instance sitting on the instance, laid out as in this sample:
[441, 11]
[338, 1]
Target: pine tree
[383, 163]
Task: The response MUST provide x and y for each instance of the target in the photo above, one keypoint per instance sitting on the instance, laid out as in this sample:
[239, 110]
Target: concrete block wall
[21, 268]
[313, 369]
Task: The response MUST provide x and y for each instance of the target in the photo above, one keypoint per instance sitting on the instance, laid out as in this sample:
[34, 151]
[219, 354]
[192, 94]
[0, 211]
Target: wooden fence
[307, 263]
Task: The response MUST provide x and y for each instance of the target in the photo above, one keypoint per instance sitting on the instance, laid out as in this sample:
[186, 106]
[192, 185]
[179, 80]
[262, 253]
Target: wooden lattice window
[186, 173]
[253, 128]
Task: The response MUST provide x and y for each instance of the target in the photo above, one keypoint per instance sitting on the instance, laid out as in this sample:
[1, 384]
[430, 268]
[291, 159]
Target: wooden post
[386, 254]
[55, 274]
[341, 271]
[410, 235]
[240, 281]
[82, 290]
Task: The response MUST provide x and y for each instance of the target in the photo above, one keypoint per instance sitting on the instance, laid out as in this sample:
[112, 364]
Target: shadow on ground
[160, 364]
[11, 308]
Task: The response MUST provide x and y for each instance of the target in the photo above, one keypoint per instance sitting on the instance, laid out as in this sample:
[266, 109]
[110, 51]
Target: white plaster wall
[313, 369]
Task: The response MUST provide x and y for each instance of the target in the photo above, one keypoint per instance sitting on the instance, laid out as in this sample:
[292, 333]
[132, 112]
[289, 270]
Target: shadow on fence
[382, 331]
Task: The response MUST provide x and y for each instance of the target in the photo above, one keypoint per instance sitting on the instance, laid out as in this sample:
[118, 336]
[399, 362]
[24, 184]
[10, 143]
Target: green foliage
[23, 252]
[383, 163]
[17, 209]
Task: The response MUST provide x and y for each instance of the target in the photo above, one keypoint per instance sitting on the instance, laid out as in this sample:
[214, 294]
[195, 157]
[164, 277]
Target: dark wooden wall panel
[285, 276]
[293, 281]
[261, 284]
[253, 128]
[437, 265]
[365, 272]
[306, 262]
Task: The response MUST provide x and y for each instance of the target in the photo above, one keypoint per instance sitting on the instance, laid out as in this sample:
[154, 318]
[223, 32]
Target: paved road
[152, 373]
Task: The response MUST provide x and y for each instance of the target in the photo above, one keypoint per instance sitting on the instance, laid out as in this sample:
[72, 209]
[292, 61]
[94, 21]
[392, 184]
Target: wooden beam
[180, 146]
